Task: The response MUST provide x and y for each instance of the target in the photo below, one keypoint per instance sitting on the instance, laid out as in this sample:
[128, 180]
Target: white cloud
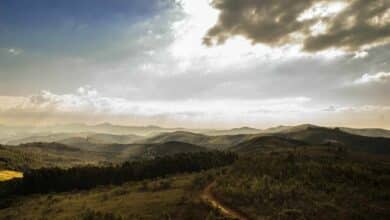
[323, 10]
[14, 51]
[87, 100]
[187, 47]
[380, 77]
[87, 105]
[360, 54]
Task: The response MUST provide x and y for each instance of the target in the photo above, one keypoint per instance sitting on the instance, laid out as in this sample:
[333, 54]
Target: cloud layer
[151, 67]
[380, 77]
[318, 25]
[87, 105]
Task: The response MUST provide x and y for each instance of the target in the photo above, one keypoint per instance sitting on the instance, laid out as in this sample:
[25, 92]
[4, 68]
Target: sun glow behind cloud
[159, 68]
[188, 48]
[323, 10]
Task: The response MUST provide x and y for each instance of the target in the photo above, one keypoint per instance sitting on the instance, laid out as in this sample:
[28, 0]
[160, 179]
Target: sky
[195, 63]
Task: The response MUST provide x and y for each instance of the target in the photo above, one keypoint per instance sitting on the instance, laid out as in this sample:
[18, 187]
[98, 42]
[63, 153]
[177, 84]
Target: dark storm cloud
[274, 22]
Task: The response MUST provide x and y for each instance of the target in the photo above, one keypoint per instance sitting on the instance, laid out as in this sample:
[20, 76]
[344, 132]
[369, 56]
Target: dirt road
[208, 196]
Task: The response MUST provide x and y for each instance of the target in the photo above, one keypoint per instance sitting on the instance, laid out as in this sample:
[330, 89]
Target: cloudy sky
[195, 63]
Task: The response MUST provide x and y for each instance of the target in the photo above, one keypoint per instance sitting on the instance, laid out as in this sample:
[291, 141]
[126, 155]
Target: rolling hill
[264, 143]
[295, 136]
[35, 155]
[321, 135]
[221, 142]
[95, 138]
[136, 151]
[369, 132]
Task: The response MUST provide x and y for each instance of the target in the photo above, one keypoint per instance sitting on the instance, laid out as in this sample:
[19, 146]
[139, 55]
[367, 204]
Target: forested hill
[58, 180]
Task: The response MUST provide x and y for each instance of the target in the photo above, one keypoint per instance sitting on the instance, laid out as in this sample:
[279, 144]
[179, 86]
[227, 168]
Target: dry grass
[9, 174]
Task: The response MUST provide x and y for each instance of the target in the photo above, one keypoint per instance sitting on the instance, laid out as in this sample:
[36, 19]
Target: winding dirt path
[209, 197]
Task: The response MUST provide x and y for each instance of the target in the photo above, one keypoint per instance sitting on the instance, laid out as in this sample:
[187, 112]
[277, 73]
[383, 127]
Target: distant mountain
[369, 132]
[48, 147]
[234, 131]
[112, 138]
[37, 155]
[161, 149]
[73, 139]
[179, 136]
[48, 138]
[24, 134]
[213, 142]
[307, 134]
[263, 143]
[8, 133]
[287, 129]
[320, 135]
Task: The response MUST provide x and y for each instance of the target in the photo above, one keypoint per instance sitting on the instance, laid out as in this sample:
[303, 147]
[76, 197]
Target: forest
[47, 180]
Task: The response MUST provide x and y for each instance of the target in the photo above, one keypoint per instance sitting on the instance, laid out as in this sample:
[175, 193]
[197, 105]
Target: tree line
[48, 180]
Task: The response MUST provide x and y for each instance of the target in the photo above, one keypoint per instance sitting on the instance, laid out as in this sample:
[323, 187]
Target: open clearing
[9, 174]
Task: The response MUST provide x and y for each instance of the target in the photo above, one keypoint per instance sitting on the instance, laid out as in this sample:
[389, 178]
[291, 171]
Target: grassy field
[9, 174]
[169, 198]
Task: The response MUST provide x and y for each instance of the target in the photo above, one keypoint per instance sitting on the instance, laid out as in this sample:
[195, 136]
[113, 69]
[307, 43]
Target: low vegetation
[155, 199]
[326, 183]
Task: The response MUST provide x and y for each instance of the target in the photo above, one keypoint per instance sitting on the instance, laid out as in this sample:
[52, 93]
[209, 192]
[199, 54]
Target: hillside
[18, 160]
[369, 132]
[97, 138]
[40, 138]
[321, 135]
[311, 183]
[168, 198]
[213, 142]
[266, 143]
[233, 131]
[169, 148]
[36, 155]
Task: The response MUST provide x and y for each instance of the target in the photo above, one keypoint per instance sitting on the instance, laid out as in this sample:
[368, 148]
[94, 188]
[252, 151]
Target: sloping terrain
[169, 148]
[96, 138]
[234, 131]
[36, 155]
[47, 138]
[18, 160]
[264, 143]
[146, 151]
[221, 142]
[369, 132]
[312, 135]
[328, 136]
[310, 183]
[169, 198]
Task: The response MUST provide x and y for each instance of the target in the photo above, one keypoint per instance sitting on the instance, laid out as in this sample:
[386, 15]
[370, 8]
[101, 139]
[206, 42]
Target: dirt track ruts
[209, 197]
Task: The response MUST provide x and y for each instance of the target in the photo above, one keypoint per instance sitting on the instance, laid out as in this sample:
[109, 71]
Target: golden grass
[9, 174]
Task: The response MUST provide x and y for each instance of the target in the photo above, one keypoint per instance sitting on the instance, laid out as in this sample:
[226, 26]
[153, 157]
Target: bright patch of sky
[146, 60]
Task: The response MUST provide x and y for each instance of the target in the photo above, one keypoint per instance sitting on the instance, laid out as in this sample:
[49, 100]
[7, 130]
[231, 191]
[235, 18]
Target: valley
[261, 183]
